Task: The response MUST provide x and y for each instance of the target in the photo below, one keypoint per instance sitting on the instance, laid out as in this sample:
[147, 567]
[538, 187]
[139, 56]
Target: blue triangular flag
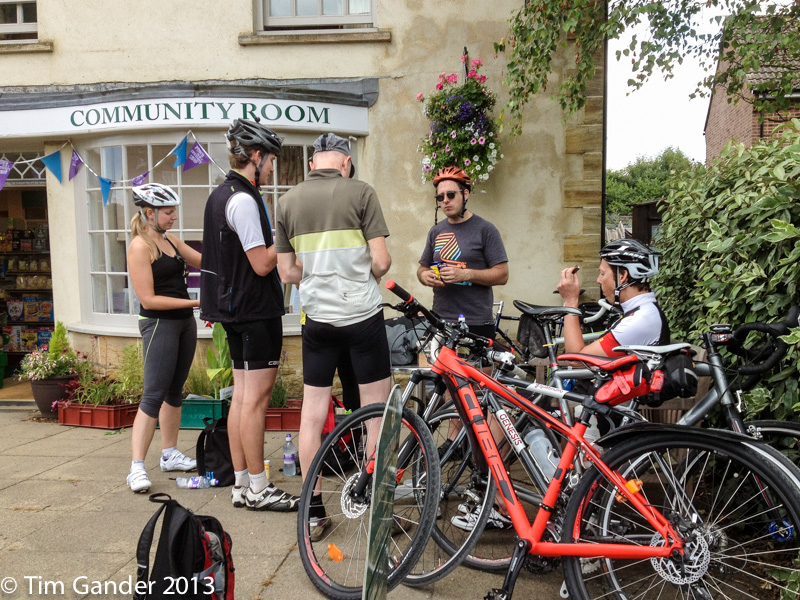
[105, 188]
[53, 162]
[180, 153]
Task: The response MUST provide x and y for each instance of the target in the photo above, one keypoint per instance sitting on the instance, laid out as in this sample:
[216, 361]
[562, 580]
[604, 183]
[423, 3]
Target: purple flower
[453, 135]
[433, 155]
[426, 167]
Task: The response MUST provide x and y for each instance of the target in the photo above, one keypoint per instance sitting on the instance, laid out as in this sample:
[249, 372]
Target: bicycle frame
[458, 376]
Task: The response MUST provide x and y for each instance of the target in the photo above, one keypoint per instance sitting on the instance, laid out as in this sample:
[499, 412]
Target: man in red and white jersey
[626, 268]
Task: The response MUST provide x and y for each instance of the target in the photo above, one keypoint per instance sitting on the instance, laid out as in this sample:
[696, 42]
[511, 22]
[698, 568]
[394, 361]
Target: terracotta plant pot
[100, 417]
[50, 390]
[282, 419]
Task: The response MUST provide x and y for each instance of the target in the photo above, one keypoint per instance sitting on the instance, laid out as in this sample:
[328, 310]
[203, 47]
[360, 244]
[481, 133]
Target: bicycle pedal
[496, 594]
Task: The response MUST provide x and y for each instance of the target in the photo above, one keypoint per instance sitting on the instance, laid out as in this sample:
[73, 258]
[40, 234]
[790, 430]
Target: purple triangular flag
[140, 179]
[74, 164]
[5, 169]
[53, 162]
[180, 152]
[105, 188]
[197, 156]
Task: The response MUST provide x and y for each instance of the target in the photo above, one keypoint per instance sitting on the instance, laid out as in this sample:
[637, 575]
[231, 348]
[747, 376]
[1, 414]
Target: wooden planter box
[99, 417]
[282, 419]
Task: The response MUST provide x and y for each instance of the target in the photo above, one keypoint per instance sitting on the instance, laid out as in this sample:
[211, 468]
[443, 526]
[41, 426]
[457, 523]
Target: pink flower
[453, 135]
[467, 162]
[476, 63]
[481, 140]
[447, 148]
[472, 74]
[439, 85]
[420, 97]
[464, 58]
[481, 80]
[426, 167]
[473, 141]
[433, 155]
[452, 78]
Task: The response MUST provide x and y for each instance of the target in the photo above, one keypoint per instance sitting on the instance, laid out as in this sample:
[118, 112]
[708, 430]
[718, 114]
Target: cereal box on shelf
[46, 310]
[43, 335]
[30, 338]
[15, 308]
[31, 309]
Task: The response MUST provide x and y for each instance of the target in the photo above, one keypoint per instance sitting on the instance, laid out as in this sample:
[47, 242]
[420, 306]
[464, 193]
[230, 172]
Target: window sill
[25, 47]
[314, 37]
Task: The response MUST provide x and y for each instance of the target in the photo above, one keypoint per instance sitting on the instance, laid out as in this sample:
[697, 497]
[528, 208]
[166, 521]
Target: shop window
[110, 296]
[18, 20]
[316, 15]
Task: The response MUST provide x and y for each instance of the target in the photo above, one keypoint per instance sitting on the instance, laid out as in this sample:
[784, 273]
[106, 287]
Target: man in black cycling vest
[626, 268]
[240, 288]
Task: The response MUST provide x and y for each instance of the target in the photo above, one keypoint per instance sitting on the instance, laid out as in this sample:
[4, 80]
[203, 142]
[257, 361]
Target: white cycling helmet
[639, 260]
[155, 196]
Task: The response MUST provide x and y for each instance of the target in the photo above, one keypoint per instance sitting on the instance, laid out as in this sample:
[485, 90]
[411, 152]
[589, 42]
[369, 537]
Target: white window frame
[86, 182]
[317, 22]
[19, 26]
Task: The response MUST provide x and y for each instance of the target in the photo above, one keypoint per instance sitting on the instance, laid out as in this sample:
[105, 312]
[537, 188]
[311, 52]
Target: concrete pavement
[67, 519]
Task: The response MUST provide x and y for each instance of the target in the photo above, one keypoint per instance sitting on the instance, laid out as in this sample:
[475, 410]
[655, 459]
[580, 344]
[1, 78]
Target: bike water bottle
[289, 452]
[540, 449]
[195, 482]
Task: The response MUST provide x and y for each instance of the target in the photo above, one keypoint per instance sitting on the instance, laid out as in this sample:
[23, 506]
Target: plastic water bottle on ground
[289, 452]
[195, 482]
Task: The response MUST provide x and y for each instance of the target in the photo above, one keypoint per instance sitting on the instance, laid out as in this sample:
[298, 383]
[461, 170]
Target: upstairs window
[318, 15]
[18, 21]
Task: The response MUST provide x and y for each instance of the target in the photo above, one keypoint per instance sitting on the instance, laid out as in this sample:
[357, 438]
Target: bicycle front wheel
[735, 506]
[784, 436]
[335, 557]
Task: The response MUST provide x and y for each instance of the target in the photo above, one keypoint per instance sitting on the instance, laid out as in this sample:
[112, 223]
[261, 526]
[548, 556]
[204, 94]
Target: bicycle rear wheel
[784, 436]
[337, 560]
[737, 509]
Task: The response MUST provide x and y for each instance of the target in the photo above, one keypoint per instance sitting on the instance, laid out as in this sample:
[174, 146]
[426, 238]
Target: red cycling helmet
[453, 174]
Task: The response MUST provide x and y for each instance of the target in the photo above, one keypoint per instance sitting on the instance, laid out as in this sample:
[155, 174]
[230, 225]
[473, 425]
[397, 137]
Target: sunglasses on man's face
[450, 195]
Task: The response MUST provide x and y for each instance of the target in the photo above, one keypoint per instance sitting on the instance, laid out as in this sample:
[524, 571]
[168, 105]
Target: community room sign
[180, 112]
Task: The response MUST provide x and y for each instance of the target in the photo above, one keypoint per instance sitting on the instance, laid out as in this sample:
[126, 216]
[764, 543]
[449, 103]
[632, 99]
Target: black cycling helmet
[252, 134]
[639, 260]
[244, 134]
[155, 196]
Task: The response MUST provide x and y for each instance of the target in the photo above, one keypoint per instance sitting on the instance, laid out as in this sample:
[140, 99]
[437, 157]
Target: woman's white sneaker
[178, 461]
[138, 481]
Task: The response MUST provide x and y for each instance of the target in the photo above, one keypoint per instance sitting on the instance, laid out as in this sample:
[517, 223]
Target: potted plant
[105, 401]
[220, 366]
[280, 416]
[199, 402]
[49, 370]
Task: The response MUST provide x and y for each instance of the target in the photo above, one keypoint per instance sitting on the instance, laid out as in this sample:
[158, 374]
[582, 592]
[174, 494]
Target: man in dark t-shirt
[463, 258]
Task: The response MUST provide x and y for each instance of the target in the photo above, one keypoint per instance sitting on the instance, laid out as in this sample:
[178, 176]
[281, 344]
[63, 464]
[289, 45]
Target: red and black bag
[193, 559]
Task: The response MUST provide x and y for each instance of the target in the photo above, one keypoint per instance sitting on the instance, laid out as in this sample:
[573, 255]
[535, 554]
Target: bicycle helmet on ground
[155, 196]
[452, 174]
[639, 260]
[243, 134]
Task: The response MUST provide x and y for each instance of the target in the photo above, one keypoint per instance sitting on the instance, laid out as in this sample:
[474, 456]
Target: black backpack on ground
[214, 453]
[193, 558]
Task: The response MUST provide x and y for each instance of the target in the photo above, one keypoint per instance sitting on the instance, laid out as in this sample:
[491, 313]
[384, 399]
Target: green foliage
[58, 341]
[279, 391]
[57, 360]
[197, 382]
[731, 252]
[220, 366]
[754, 40]
[644, 180]
[130, 374]
[462, 133]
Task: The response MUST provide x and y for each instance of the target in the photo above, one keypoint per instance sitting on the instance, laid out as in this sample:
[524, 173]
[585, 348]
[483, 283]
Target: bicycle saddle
[667, 349]
[550, 312]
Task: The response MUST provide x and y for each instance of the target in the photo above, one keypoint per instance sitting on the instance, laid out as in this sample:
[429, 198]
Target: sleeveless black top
[169, 279]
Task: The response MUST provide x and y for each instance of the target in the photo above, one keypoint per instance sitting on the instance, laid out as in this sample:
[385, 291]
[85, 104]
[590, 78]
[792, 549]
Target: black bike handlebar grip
[398, 291]
[781, 348]
[792, 317]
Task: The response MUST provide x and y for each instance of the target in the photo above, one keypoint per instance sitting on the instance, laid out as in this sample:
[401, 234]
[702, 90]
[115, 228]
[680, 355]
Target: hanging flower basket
[462, 132]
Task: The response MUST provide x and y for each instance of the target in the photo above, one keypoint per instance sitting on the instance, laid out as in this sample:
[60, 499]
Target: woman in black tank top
[158, 265]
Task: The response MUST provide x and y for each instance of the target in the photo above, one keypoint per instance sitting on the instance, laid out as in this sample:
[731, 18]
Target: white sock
[258, 482]
[167, 452]
[241, 478]
[137, 465]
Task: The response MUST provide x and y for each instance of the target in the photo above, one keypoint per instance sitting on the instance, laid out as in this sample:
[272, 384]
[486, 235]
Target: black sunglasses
[184, 264]
[450, 195]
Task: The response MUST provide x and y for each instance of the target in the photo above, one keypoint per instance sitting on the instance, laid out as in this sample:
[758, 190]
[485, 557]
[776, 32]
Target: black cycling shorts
[255, 344]
[324, 344]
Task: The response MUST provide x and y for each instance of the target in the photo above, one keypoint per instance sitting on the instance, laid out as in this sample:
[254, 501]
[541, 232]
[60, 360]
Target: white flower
[491, 146]
[477, 167]
[476, 158]
[484, 177]
[426, 160]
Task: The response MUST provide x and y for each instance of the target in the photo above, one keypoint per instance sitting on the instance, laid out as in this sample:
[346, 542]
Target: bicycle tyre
[716, 489]
[342, 579]
[784, 436]
[461, 486]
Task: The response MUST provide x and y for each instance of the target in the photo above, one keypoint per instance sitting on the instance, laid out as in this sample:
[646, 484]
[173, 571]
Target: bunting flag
[5, 169]
[74, 164]
[105, 188]
[140, 179]
[53, 162]
[180, 152]
[197, 156]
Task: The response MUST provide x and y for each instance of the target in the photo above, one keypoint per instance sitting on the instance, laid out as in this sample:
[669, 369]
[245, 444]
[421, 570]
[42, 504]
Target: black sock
[315, 508]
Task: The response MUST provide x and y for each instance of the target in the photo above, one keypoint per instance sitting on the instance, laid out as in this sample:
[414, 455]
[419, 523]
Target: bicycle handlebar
[605, 308]
[779, 348]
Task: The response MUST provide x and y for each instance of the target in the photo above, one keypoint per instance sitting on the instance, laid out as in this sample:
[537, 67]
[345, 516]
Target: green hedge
[731, 252]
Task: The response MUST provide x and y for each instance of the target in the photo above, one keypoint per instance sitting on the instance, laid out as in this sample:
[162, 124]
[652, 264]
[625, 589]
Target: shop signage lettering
[164, 112]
